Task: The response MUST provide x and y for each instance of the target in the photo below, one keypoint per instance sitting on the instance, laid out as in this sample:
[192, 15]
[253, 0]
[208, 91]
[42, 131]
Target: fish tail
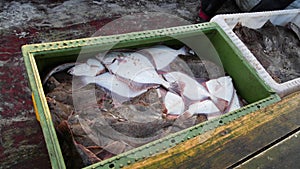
[182, 51]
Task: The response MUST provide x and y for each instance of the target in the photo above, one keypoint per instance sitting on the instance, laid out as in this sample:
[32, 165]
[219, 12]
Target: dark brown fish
[277, 48]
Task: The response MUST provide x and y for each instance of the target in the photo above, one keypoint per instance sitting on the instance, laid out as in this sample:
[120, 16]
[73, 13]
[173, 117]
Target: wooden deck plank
[228, 144]
[285, 154]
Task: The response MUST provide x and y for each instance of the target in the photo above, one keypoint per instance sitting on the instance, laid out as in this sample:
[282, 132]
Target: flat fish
[174, 104]
[136, 68]
[112, 84]
[206, 107]
[221, 91]
[57, 69]
[91, 68]
[188, 86]
[162, 55]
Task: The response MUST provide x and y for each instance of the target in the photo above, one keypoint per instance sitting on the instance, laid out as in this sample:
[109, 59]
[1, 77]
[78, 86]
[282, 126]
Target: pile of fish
[129, 74]
[118, 101]
[276, 47]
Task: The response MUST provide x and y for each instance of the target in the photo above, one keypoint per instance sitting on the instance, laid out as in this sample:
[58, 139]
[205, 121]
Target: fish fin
[86, 155]
[115, 147]
[294, 27]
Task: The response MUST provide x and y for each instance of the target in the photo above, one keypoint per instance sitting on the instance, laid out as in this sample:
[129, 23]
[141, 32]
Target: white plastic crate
[256, 20]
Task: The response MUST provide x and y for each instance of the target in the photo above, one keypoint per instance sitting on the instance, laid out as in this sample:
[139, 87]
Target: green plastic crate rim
[39, 57]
